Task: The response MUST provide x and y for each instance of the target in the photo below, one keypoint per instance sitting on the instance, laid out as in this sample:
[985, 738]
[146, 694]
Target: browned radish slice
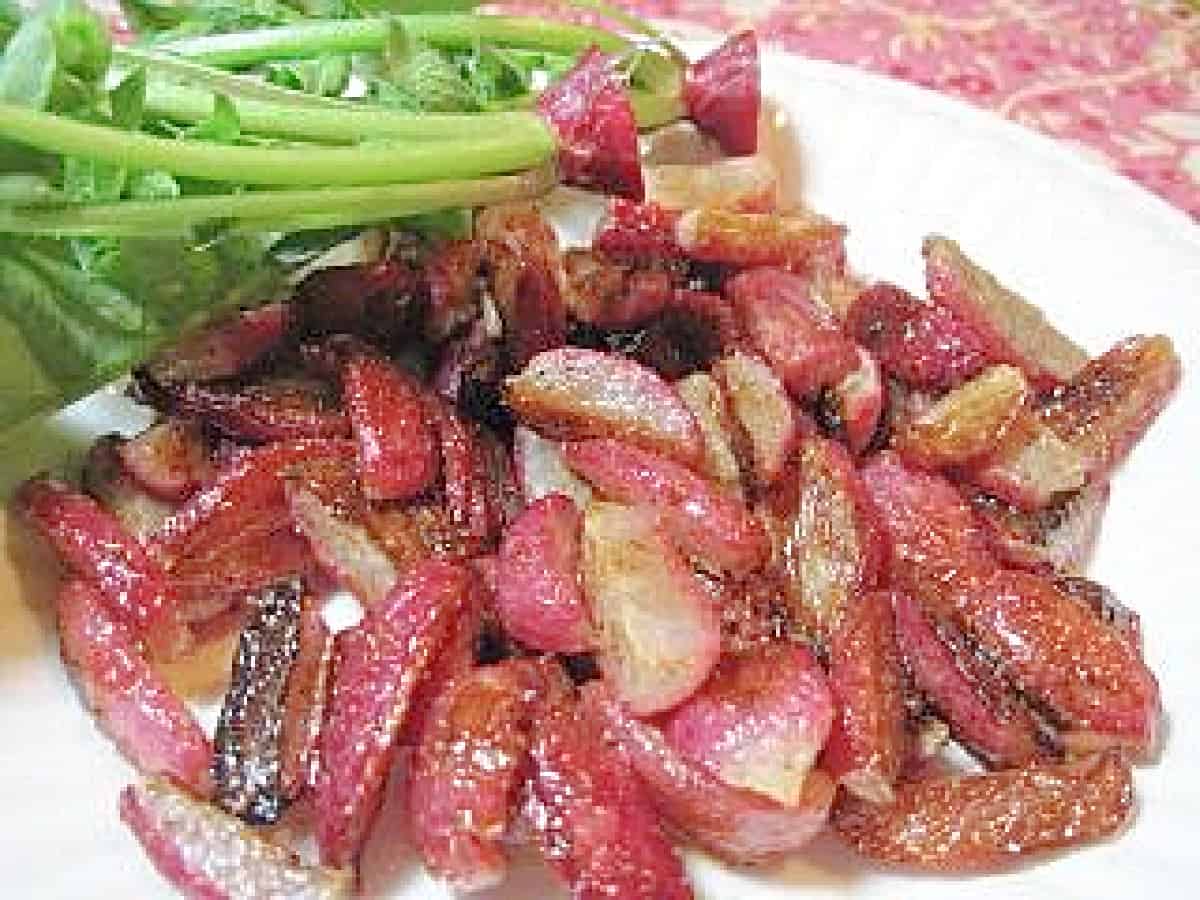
[225, 347]
[759, 722]
[800, 339]
[705, 398]
[343, 548]
[737, 825]
[659, 635]
[538, 591]
[208, 854]
[743, 183]
[868, 744]
[706, 523]
[769, 421]
[573, 394]
[828, 545]
[799, 242]
[1017, 329]
[1059, 538]
[589, 812]
[170, 459]
[467, 771]
[980, 822]
[966, 425]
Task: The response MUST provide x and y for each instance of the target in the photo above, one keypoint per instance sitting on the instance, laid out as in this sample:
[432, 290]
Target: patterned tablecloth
[1117, 79]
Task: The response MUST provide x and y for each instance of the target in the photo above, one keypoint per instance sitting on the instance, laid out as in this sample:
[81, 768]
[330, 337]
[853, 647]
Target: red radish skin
[590, 814]
[759, 722]
[740, 826]
[704, 521]
[467, 772]
[539, 593]
[868, 743]
[226, 347]
[799, 339]
[723, 96]
[397, 452]
[378, 665]
[94, 545]
[591, 115]
[149, 724]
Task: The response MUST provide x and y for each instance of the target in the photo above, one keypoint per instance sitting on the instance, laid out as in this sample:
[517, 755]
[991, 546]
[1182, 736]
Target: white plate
[895, 163]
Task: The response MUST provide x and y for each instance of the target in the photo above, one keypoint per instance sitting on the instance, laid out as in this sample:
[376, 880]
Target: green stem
[448, 32]
[654, 110]
[346, 123]
[333, 167]
[276, 210]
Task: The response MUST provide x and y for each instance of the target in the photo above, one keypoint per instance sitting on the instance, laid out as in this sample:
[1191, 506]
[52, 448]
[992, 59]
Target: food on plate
[682, 534]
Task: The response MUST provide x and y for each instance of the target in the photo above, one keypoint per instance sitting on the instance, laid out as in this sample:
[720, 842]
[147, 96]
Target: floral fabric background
[1117, 79]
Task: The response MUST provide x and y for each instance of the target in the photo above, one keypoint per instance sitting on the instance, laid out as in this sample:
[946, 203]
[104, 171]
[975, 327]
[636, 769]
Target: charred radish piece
[770, 425]
[867, 744]
[980, 713]
[1017, 329]
[467, 772]
[379, 663]
[106, 478]
[170, 459]
[373, 298]
[704, 521]
[827, 543]
[936, 544]
[602, 292]
[206, 853]
[94, 545]
[247, 764]
[590, 814]
[397, 454]
[1059, 653]
[575, 394]
[741, 826]
[759, 722]
[245, 500]
[538, 591]
[658, 633]
[225, 348]
[278, 409]
[469, 492]
[966, 425]
[1104, 411]
[591, 115]
[722, 93]
[801, 340]
[981, 822]
[1058, 538]
[304, 699]
[149, 724]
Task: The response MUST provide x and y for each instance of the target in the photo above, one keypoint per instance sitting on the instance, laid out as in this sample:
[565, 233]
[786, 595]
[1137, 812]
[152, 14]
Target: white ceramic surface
[895, 163]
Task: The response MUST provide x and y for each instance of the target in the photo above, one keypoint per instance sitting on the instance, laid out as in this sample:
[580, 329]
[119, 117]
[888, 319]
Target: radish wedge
[659, 634]
[538, 591]
[575, 394]
[208, 854]
[759, 722]
[704, 521]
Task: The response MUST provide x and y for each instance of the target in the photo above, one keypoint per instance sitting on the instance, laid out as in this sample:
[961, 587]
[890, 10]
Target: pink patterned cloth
[1119, 80]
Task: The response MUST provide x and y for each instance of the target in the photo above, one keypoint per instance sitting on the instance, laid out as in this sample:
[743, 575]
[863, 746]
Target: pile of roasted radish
[690, 536]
